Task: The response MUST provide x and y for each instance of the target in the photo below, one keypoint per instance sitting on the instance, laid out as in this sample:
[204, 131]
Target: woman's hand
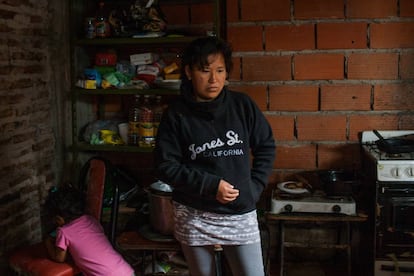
[226, 192]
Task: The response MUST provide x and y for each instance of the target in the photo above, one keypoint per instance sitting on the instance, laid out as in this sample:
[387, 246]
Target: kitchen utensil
[161, 208]
[394, 145]
[338, 183]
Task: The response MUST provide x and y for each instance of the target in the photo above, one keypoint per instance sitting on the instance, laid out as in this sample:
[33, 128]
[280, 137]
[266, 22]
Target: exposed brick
[373, 66]
[321, 127]
[5, 113]
[293, 98]
[371, 8]
[394, 97]
[176, 14]
[307, 9]
[341, 35]
[266, 68]
[359, 123]
[4, 28]
[406, 66]
[253, 10]
[245, 38]
[7, 15]
[202, 13]
[345, 97]
[406, 122]
[282, 126]
[296, 157]
[392, 35]
[28, 56]
[345, 156]
[406, 8]
[21, 138]
[318, 67]
[290, 37]
[42, 145]
[235, 74]
[232, 10]
[257, 93]
[36, 19]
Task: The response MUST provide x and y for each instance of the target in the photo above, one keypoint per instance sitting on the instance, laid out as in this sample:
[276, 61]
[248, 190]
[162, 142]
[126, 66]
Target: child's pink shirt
[92, 252]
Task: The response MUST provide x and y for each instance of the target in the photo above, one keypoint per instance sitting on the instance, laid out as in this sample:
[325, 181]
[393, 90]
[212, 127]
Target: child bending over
[82, 236]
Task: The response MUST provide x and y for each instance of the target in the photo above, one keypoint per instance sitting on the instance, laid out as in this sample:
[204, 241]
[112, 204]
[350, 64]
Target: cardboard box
[141, 59]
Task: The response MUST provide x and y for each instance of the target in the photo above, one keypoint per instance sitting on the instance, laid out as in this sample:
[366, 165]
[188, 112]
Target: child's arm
[55, 253]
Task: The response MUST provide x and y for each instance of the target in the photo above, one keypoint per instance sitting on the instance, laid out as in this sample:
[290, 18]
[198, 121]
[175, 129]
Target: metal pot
[339, 183]
[161, 208]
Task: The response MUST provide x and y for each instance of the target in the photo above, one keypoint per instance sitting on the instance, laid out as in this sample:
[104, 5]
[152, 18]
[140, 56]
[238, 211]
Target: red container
[105, 59]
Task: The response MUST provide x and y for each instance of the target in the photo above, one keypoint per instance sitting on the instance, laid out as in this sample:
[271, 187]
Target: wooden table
[316, 218]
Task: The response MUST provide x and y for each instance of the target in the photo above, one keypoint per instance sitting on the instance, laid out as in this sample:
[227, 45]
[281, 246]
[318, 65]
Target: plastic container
[146, 124]
[133, 121]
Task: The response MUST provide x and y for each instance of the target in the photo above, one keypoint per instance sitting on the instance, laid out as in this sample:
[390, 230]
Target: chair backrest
[95, 186]
[93, 178]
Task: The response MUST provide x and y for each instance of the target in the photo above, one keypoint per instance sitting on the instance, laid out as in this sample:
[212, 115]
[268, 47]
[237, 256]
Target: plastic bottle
[146, 124]
[102, 28]
[90, 27]
[158, 110]
[133, 121]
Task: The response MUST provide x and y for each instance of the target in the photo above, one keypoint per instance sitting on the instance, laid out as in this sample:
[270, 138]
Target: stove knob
[395, 172]
[288, 208]
[336, 208]
[409, 171]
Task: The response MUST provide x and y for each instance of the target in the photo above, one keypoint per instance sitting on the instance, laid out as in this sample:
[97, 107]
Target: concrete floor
[308, 269]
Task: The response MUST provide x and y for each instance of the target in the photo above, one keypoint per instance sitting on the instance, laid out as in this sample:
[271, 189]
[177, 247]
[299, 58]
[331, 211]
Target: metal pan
[394, 145]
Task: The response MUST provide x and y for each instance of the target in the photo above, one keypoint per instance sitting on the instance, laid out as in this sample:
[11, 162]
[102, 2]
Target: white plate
[168, 84]
[282, 187]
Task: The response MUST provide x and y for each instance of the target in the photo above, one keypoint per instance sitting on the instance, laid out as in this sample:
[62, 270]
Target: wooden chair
[33, 259]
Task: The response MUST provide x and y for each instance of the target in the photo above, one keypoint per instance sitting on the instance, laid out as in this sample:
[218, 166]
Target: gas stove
[389, 199]
[395, 167]
[316, 202]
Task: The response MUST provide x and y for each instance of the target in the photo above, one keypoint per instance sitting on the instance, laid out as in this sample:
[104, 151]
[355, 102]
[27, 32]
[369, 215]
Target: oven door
[395, 222]
[400, 214]
[397, 209]
[390, 268]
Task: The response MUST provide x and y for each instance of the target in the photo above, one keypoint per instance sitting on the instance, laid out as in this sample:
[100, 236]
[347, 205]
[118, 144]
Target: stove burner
[394, 155]
[316, 202]
[382, 155]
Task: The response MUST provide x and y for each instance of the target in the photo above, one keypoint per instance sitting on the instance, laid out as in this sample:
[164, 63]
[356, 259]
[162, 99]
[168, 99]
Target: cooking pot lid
[161, 187]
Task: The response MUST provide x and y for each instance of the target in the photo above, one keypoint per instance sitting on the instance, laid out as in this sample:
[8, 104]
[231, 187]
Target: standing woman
[215, 147]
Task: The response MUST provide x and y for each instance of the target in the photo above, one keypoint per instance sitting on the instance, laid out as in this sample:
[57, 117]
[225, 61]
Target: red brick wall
[323, 71]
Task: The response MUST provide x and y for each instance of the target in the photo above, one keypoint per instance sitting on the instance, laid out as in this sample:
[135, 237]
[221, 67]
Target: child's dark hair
[66, 202]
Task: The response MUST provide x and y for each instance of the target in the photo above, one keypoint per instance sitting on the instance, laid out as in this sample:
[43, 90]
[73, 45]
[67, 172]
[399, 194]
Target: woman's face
[208, 81]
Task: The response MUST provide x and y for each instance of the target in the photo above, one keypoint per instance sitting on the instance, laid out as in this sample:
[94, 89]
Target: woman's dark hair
[197, 52]
[66, 202]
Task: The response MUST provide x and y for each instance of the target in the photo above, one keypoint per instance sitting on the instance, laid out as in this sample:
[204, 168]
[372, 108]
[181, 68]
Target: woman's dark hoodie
[199, 143]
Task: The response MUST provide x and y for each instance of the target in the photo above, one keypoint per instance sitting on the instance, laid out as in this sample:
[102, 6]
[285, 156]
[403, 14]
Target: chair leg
[218, 260]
